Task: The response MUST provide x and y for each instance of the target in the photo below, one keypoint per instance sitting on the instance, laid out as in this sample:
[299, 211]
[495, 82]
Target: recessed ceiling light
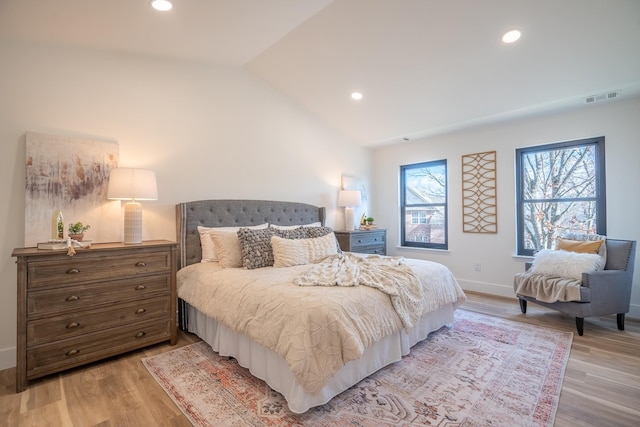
[511, 36]
[161, 5]
[356, 95]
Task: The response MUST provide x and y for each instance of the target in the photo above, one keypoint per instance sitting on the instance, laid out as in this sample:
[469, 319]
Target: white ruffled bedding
[316, 329]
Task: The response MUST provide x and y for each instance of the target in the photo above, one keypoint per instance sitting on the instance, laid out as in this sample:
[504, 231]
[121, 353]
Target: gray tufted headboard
[234, 213]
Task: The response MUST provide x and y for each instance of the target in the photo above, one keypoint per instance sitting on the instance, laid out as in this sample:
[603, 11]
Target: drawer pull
[140, 310]
[141, 334]
[359, 240]
[72, 352]
[73, 298]
[140, 287]
[73, 271]
[73, 325]
[141, 264]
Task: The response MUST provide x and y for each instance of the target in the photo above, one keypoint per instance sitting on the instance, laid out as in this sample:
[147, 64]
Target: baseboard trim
[487, 288]
[7, 358]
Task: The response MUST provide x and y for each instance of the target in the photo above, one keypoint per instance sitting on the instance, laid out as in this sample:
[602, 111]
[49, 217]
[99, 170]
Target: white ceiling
[424, 66]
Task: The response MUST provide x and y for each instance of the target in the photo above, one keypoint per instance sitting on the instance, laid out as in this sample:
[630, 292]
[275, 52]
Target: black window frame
[404, 205]
[600, 186]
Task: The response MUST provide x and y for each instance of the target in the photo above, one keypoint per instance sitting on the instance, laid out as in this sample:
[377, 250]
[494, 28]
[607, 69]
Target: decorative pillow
[290, 252]
[292, 233]
[209, 252]
[567, 264]
[227, 248]
[292, 227]
[602, 251]
[584, 247]
[255, 247]
[319, 232]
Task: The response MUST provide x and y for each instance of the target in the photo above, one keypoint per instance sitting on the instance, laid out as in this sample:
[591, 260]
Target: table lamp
[349, 199]
[133, 185]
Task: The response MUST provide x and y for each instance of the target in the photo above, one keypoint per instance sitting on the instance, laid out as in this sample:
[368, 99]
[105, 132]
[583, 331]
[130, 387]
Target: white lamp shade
[349, 198]
[132, 184]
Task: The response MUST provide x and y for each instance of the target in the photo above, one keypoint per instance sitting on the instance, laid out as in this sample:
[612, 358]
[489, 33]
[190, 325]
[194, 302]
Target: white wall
[618, 121]
[207, 131]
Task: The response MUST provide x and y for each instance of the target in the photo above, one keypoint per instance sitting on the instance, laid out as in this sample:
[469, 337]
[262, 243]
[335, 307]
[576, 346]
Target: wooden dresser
[105, 300]
[363, 241]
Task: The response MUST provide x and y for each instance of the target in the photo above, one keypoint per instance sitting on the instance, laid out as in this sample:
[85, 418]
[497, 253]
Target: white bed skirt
[273, 369]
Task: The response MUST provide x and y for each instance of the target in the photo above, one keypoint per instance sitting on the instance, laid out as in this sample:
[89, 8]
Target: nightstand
[363, 241]
[103, 301]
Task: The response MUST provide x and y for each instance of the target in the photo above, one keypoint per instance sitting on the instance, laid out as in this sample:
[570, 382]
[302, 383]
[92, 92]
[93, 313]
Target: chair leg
[523, 306]
[580, 325]
[620, 318]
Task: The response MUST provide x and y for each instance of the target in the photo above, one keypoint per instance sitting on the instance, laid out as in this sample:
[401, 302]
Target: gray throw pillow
[255, 246]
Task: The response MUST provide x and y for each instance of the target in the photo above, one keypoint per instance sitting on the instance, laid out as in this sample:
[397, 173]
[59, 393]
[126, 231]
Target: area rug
[479, 371]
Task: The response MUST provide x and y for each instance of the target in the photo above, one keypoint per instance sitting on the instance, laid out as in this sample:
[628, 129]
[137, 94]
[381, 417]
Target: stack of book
[56, 245]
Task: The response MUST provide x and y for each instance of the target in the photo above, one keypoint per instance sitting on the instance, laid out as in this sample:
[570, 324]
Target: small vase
[77, 237]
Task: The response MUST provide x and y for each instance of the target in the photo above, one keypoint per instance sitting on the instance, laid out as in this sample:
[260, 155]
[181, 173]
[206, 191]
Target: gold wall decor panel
[479, 193]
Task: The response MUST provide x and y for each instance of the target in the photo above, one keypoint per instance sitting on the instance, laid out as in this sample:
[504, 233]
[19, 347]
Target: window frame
[600, 186]
[404, 205]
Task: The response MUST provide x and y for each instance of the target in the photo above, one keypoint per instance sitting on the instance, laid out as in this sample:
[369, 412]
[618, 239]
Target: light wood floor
[601, 385]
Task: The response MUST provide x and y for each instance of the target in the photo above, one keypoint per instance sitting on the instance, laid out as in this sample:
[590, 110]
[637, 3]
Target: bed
[306, 373]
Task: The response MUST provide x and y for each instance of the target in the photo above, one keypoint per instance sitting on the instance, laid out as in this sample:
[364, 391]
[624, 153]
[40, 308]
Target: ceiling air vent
[602, 97]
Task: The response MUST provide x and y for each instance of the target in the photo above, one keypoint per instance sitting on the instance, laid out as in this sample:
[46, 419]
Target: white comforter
[316, 329]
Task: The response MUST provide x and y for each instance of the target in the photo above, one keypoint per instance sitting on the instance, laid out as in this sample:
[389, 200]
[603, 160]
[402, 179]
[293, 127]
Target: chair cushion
[550, 289]
[565, 264]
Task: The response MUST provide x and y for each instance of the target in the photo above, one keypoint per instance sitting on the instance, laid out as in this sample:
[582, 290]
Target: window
[423, 205]
[560, 188]
[418, 217]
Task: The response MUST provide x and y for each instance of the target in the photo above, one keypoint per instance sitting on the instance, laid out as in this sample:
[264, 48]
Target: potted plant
[76, 231]
[370, 220]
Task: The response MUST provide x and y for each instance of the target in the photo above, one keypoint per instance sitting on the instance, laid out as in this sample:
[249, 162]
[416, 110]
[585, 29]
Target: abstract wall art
[69, 174]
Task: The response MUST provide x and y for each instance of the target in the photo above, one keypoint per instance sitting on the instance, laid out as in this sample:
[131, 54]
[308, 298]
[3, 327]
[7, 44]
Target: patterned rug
[479, 371]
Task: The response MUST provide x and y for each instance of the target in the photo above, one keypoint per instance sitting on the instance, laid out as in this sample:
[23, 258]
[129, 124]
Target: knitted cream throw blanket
[391, 275]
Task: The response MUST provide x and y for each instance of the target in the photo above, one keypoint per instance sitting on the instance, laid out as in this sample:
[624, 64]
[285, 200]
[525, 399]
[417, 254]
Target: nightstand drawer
[372, 249]
[79, 269]
[369, 238]
[83, 297]
[90, 347]
[79, 323]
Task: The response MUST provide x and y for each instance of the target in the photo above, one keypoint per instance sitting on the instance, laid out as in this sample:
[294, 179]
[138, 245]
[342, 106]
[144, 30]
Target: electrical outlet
[477, 267]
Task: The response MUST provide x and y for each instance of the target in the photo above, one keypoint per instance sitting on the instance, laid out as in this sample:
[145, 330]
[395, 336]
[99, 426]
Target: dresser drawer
[77, 269]
[93, 295]
[90, 347]
[83, 322]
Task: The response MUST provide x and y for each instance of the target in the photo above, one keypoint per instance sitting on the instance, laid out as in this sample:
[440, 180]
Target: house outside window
[423, 205]
[560, 188]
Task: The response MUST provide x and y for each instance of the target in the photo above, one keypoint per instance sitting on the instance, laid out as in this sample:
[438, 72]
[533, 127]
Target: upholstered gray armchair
[602, 292]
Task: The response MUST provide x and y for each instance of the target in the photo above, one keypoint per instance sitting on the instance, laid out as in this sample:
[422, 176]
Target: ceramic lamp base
[348, 219]
[132, 223]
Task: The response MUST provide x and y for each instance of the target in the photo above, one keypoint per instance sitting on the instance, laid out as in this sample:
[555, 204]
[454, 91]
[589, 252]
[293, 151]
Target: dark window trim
[403, 206]
[600, 175]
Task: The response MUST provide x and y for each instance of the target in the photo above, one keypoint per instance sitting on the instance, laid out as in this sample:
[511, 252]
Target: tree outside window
[560, 189]
[423, 204]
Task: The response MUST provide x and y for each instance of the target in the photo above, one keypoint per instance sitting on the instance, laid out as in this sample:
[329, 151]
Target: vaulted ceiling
[423, 66]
